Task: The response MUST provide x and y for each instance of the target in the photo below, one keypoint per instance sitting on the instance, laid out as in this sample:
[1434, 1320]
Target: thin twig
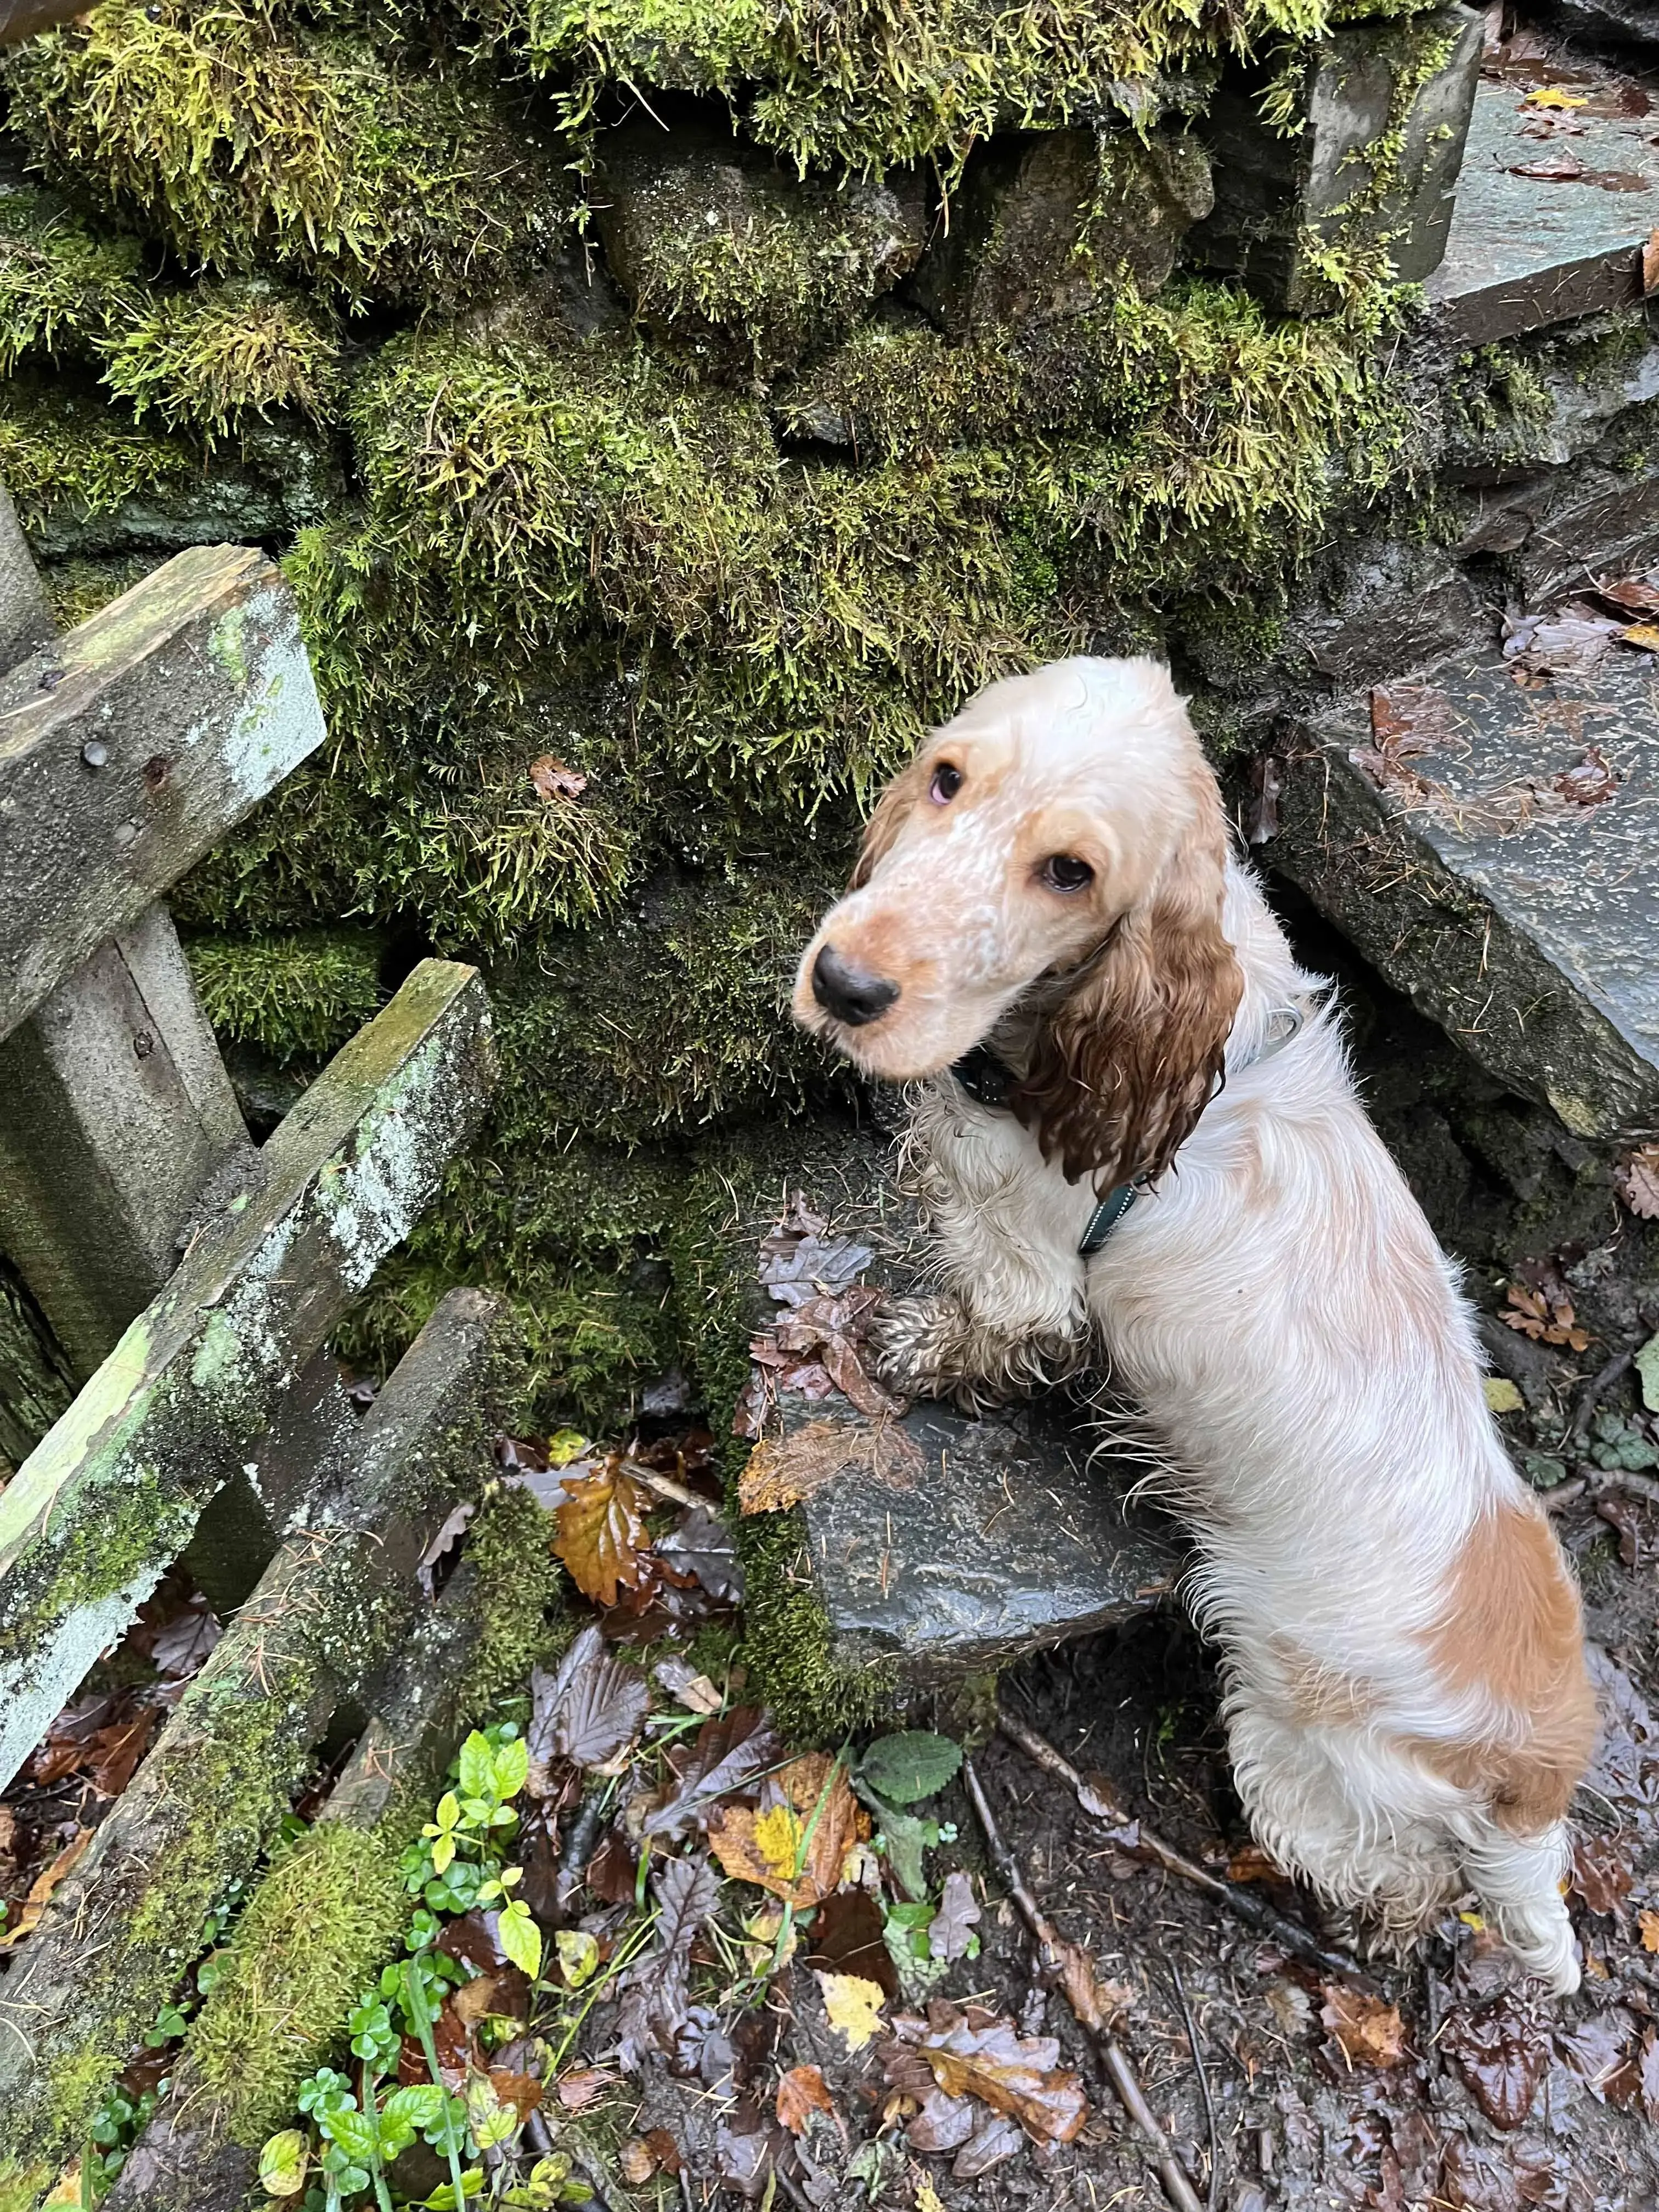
[591, 2171]
[1202, 2072]
[664, 1485]
[1136, 1841]
[1591, 1394]
[1052, 1954]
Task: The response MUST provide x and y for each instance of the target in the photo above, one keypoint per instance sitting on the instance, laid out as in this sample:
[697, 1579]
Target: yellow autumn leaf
[1648, 1924]
[1642, 634]
[1549, 95]
[854, 2007]
[777, 1839]
[927, 2198]
[1502, 1396]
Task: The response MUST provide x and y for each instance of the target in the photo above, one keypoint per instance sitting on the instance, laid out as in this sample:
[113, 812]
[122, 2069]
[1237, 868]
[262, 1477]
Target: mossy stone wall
[646, 497]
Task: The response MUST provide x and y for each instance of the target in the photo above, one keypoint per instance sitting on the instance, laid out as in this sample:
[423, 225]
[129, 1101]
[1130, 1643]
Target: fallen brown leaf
[1502, 2056]
[1600, 1873]
[978, 2054]
[45, 1882]
[601, 1531]
[801, 2092]
[576, 2092]
[794, 1843]
[847, 1939]
[1547, 1320]
[1592, 783]
[1647, 1925]
[1635, 1179]
[588, 1711]
[553, 779]
[1367, 2031]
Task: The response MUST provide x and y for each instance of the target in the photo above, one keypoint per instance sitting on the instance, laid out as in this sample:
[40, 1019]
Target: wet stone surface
[944, 1544]
[986, 1540]
[1526, 251]
[1484, 832]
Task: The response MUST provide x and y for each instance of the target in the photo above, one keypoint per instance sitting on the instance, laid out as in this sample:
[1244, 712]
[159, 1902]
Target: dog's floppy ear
[884, 824]
[1121, 1073]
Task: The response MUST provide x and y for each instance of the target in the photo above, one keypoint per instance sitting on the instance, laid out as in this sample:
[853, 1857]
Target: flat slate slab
[1525, 252]
[1486, 835]
[938, 1543]
[988, 1539]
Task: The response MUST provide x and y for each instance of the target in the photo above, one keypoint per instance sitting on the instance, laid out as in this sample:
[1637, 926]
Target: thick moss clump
[210, 356]
[869, 83]
[289, 996]
[61, 286]
[328, 1910]
[63, 453]
[724, 252]
[238, 138]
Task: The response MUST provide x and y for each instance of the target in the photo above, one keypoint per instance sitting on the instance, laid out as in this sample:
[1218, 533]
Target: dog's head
[1065, 821]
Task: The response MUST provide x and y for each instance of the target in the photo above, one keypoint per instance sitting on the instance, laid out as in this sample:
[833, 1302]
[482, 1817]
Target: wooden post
[128, 748]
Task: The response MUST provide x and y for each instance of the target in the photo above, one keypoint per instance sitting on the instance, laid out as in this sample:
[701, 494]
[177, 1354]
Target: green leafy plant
[899, 1770]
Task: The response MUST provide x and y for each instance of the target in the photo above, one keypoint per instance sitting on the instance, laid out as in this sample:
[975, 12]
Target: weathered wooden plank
[109, 1497]
[115, 1114]
[198, 2154]
[180, 706]
[340, 1598]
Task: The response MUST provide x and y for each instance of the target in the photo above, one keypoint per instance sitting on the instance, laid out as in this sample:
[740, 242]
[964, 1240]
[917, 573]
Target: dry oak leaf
[601, 1532]
[795, 1844]
[1367, 2031]
[1637, 1182]
[977, 2054]
[553, 779]
[1547, 1321]
[45, 1882]
[1648, 1926]
[853, 2007]
[801, 2092]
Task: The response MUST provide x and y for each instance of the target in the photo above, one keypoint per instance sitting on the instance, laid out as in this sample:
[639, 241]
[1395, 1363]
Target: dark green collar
[991, 1081]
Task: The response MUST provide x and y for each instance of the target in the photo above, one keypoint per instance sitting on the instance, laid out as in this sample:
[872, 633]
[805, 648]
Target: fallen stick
[1203, 2073]
[1069, 1968]
[1136, 1841]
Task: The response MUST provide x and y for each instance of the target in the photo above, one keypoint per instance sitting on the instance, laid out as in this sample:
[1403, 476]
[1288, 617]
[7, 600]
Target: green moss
[519, 1588]
[213, 354]
[62, 452]
[61, 286]
[738, 260]
[787, 1646]
[329, 1911]
[884, 82]
[78, 588]
[22, 2187]
[289, 996]
[237, 138]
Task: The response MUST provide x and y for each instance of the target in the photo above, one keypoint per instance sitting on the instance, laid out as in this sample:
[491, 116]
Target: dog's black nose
[850, 993]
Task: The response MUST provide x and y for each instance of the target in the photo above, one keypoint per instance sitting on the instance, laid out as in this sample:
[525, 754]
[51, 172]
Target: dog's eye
[1062, 872]
[947, 782]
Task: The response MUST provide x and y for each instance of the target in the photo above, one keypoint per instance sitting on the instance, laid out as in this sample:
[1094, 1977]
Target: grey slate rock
[1525, 253]
[1526, 925]
[944, 1545]
[1273, 189]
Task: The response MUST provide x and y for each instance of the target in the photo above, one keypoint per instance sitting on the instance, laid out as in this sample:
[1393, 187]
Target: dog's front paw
[918, 1345]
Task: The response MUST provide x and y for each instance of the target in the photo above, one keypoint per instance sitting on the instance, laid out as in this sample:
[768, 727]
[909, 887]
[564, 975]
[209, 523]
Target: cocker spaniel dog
[1137, 1138]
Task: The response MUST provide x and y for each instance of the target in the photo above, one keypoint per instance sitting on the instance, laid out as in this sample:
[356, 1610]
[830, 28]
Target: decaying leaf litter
[656, 1954]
